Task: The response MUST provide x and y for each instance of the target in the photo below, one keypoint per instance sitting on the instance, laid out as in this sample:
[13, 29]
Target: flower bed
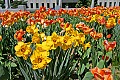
[60, 44]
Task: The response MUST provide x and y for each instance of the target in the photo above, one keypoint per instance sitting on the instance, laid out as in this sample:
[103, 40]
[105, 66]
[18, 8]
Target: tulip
[109, 45]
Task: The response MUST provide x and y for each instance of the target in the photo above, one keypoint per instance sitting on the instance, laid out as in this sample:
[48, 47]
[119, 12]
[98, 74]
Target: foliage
[85, 3]
[15, 4]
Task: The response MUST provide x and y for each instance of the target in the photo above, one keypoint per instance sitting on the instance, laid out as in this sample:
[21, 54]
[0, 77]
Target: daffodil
[54, 39]
[81, 38]
[43, 37]
[23, 50]
[66, 42]
[42, 47]
[32, 29]
[40, 60]
[36, 38]
[69, 30]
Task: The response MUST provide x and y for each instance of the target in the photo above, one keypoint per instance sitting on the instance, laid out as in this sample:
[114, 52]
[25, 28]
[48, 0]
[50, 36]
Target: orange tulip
[101, 20]
[109, 45]
[109, 36]
[60, 20]
[87, 30]
[102, 74]
[19, 35]
[111, 22]
[96, 35]
[30, 21]
[49, 22]
[65, 25]
[118, 21]
[42, 9]
[51, 12]
[80, 25]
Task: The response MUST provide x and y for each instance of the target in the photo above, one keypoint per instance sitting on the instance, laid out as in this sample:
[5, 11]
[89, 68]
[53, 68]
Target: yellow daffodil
[23, 50]
[81, 38]
[32, 29]
[69, 30]
[66, 42]
[49, 44]
[54, 39]
[43, 37]
[40, 60]
[36, 38]
[42, 47]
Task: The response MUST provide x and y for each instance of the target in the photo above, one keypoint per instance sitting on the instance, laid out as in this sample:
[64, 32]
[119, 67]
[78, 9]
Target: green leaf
[79, 52]
[100, 64]
[100, 53]
[13, 64]
[87, 53]
[88, 76]
[1, 58]
[82, 68]
[5, 75]
[61, 66]
[100, 44]
[87, 65]
[73, 67]
[1, 71]
[109, 54]
[24, 73]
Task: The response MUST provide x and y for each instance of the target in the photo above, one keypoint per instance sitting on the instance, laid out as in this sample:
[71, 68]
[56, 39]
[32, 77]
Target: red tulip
[109, 45]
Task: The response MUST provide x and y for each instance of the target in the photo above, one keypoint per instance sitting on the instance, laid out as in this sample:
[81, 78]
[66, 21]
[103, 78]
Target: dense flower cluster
[9, 18]
[39, 58]
[88, 30]
[48, 30]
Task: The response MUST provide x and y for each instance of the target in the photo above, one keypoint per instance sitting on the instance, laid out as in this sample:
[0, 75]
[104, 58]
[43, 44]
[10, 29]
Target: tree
[86, 3]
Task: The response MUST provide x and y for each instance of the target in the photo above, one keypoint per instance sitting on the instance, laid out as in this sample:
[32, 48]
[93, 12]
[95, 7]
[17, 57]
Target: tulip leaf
[88, 76]
[100, 64]
[100, 53]
[87, 65]
[109, 54]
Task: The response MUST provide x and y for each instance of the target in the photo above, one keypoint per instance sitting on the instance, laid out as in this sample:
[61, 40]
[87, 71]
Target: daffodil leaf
[13, 64]
[82, 68]
[79, 52]
[1, 71]
[87, 53]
